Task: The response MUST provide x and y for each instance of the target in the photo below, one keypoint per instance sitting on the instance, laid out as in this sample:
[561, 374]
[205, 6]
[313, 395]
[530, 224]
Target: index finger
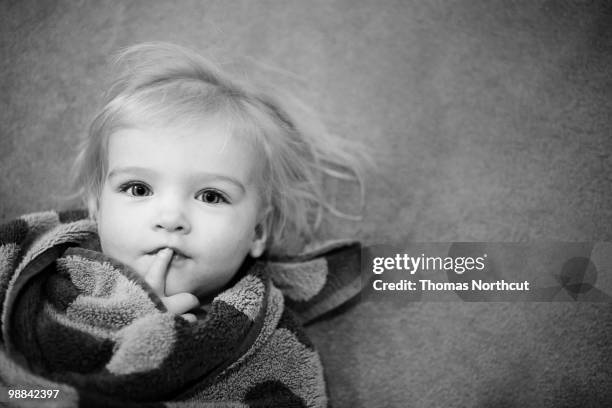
[156, 275]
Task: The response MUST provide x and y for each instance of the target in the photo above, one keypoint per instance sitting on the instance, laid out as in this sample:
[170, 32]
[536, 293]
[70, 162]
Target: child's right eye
[136, 189]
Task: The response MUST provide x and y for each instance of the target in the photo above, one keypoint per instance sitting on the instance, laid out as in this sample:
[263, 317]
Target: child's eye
[136, 189]
[211, 197]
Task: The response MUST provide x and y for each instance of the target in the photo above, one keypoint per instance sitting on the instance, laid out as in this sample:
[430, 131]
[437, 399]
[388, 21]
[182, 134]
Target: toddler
[174, 286]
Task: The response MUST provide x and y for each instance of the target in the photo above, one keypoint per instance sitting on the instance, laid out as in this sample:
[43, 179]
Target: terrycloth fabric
[75, 320]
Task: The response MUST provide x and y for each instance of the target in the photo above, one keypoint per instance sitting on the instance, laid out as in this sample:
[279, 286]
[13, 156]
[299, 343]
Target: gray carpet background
[488, 121]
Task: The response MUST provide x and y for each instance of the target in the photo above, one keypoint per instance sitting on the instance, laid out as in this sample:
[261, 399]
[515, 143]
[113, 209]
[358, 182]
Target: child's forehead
[204, 135]
[211, 145]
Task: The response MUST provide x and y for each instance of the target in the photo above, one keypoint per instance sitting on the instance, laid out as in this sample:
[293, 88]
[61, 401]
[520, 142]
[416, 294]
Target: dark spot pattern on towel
[94, 352]
[60, 291]
[13, 232]
[288, 321]
[273, 393]
[72, 215]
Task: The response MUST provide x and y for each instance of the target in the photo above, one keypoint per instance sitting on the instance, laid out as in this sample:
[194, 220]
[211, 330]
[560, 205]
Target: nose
[171, 217]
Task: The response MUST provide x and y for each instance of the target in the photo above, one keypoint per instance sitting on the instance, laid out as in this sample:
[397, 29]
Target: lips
[176, 253]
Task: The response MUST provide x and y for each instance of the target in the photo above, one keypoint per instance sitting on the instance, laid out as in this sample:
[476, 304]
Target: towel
[79, 322]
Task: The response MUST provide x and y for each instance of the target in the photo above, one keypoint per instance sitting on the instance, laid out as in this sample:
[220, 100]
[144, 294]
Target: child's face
[192, 189]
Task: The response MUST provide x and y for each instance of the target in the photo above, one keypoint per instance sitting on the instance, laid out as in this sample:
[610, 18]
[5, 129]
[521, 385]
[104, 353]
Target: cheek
[110, 238]
[228, 238]
[114, 227]
[120, 241]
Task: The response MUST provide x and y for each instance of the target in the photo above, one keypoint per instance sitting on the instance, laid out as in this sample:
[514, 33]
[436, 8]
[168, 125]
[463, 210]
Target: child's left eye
[211, 197]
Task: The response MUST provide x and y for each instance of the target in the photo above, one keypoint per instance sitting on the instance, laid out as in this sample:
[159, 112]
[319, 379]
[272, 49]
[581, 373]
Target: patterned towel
[75, 320]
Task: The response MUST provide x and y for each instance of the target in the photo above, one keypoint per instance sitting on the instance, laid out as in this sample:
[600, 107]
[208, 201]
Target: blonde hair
[160, 84]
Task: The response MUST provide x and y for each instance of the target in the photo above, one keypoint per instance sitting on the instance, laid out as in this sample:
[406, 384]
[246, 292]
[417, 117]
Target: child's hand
[156, 278]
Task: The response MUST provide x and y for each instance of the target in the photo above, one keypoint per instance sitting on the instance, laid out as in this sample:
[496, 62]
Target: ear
[260, 236]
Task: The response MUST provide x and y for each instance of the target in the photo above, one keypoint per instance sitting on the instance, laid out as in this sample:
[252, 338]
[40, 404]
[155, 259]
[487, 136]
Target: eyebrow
[142, 171]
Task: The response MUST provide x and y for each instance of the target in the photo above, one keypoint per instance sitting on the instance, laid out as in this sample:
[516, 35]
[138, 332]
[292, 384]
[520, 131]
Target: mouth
[177, 254]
